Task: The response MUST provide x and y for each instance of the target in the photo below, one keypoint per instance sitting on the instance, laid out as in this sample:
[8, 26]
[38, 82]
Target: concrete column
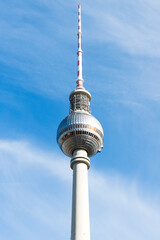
[80, 226]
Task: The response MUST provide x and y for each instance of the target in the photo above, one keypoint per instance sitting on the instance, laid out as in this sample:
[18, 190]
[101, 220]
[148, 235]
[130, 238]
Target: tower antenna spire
[79, 52]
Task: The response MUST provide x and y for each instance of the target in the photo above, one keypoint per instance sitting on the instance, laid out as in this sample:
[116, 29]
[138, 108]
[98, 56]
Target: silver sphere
[80, 130]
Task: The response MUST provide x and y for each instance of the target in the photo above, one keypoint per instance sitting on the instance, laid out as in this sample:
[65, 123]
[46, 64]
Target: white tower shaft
[80, 227]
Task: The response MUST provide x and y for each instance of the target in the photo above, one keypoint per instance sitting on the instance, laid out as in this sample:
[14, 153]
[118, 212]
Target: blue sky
[38, 44]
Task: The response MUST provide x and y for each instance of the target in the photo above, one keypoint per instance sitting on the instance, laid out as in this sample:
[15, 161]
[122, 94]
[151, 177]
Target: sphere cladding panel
[80, 118]
[80, 131]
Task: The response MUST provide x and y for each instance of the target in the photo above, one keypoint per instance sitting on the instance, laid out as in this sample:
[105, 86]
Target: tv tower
[80, 136]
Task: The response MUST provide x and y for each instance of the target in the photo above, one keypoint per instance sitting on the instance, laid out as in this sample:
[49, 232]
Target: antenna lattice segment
[80, 52]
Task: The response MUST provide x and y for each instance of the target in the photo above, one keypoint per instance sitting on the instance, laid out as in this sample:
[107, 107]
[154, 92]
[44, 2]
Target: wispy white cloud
[123, 209]
[28, 210]
[23, 153]
[120, 209]
[133, 25]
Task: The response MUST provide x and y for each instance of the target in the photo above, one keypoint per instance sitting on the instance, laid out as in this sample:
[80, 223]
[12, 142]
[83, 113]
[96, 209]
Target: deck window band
[78, 133]
[80, 126]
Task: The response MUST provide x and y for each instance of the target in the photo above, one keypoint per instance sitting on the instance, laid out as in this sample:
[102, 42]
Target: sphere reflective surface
[80, 130]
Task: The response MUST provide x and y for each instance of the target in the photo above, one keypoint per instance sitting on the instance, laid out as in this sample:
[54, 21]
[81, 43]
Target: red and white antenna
[79, 52]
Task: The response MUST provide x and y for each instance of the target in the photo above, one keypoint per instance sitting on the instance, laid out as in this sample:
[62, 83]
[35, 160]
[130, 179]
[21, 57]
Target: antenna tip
[79, 5]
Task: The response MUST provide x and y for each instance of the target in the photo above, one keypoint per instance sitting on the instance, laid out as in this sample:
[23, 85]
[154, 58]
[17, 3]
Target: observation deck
[80, 130]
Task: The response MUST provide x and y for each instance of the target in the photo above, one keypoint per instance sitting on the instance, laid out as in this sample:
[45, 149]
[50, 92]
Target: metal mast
[80, 52]
[80, 136]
